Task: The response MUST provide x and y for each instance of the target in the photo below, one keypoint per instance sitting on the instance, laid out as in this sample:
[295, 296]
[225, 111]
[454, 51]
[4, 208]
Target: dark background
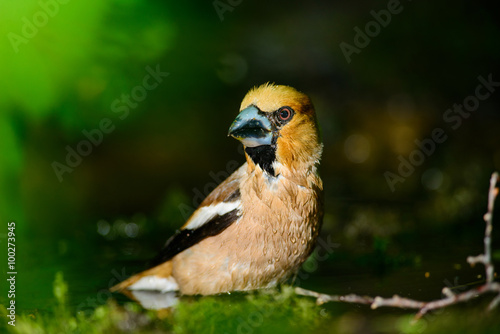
[116, 208]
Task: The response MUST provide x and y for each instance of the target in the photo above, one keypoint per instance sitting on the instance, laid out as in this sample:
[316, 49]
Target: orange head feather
[298, 145]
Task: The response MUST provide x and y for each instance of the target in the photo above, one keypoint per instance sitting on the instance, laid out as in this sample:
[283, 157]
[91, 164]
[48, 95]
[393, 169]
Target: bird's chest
[274, 235]
[278, 227]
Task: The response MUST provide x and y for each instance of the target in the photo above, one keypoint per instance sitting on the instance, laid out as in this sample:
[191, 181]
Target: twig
[323, 298]
[488, 218]
[450, 298]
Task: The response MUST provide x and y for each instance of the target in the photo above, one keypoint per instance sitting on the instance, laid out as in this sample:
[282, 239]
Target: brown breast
[276, 233]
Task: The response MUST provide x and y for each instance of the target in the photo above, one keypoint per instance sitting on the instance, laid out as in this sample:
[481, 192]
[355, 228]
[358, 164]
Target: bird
[259, 225]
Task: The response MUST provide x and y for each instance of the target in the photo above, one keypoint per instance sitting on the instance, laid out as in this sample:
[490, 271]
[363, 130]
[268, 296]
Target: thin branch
[488, 218]
[323, 298]
[494, 302]
[405, 303]
[450, 298]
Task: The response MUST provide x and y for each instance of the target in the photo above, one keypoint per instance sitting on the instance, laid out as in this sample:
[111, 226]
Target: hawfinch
[258, 226]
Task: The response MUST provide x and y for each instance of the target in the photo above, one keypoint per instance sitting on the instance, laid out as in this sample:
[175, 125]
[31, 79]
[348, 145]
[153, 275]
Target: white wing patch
[204, 214]
[162, 284]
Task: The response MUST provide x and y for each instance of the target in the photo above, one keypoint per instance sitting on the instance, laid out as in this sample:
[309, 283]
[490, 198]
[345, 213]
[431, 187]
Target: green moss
[457, 321]
[109, 318]
[267, 311]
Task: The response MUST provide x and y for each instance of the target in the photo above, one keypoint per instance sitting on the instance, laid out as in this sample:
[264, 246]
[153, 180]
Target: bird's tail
[158, 278]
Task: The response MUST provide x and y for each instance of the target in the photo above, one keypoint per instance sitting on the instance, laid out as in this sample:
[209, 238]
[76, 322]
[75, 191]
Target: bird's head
[277, 125]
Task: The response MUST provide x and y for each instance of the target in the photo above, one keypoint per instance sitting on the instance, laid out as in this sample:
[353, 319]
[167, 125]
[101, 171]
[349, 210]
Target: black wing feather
[183, 239]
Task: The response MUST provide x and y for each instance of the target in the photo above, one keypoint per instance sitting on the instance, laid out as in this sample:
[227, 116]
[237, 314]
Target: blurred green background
[70, 68]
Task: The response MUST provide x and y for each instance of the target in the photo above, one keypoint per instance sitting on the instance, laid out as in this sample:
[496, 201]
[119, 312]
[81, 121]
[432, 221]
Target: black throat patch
[264, 156]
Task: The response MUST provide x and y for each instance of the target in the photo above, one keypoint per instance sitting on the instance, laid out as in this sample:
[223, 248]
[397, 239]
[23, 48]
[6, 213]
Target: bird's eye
[285, 113]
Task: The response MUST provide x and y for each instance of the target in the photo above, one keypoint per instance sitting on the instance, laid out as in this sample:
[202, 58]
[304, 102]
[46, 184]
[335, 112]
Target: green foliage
[267, 311]
[64, 64]
[81, 48]
[456, 321]
[104, 319]
[108, 318]
[60, 289]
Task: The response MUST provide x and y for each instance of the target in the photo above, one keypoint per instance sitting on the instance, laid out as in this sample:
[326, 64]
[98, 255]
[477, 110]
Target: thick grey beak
[251, 128]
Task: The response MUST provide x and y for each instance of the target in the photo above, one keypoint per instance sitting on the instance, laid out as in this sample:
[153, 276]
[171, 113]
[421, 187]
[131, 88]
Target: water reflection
[153, 300]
